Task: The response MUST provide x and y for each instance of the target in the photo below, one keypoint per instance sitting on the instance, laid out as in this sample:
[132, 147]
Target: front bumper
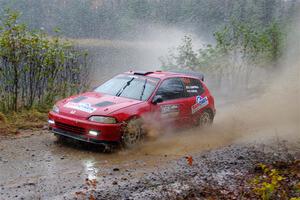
[79, 137]
[79, 129]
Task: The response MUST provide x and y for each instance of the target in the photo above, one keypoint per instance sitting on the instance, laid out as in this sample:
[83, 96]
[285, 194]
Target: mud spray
[259, 117]
[266, 117]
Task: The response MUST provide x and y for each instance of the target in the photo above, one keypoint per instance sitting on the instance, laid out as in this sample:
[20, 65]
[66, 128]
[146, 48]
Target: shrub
[36, 69]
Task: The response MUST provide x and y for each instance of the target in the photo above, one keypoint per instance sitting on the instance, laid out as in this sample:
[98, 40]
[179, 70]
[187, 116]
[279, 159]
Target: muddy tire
[133, 133]
[206, 119]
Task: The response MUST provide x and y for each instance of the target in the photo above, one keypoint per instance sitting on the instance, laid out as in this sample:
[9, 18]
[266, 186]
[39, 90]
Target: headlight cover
[103, 120]
[55, 109]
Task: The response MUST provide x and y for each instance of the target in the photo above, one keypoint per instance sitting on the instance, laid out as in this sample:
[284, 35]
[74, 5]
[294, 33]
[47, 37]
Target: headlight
[55, 109]
[104, 120]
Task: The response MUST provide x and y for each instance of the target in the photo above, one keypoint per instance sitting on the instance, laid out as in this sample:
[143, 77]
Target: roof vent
[142, 73]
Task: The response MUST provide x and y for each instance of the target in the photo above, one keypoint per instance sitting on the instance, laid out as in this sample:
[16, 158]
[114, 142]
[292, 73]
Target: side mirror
[157, 99]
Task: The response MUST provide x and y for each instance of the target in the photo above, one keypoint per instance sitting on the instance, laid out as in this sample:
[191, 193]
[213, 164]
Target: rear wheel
[133, 133]
[206, 119]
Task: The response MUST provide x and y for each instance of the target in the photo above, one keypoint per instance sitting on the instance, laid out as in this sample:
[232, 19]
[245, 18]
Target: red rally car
[113, 112]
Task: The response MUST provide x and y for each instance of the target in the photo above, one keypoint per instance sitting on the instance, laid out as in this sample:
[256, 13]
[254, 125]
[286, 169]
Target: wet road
[36, 166]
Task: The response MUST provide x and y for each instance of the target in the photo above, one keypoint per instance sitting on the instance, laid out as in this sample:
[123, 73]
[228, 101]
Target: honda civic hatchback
[114, 112]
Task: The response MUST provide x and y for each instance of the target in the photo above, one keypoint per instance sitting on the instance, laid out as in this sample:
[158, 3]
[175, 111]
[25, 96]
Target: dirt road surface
[35, 166]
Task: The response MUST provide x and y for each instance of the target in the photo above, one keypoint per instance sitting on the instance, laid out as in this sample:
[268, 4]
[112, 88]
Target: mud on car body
[113, 112]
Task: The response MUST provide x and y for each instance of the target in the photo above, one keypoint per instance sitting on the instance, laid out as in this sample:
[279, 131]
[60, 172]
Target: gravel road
[36, 166]
[33, 165]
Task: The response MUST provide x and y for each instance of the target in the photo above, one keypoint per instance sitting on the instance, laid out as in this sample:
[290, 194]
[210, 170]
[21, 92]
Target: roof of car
[166, 74]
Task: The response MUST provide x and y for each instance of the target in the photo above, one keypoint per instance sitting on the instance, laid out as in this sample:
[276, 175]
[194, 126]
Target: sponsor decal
[201, 102]
[169, 110]
[192, 89]
[85, 107]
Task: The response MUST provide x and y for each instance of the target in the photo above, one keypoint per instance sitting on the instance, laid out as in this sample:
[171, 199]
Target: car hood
[93, 103]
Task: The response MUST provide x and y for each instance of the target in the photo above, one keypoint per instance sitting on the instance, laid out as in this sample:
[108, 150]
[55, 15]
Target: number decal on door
[169, 110]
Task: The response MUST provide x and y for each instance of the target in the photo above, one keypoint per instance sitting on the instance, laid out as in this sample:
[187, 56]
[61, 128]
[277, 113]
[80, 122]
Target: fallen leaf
[189, 160]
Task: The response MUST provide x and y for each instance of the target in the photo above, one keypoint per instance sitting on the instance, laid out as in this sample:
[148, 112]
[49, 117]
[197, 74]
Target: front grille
[70, 128]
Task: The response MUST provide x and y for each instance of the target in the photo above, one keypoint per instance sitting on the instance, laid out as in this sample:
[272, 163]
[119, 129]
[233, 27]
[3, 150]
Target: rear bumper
[79, 137]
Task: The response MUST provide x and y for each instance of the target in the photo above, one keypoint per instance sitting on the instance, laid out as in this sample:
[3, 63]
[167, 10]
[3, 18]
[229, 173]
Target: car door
[196, 99]
[173, 110]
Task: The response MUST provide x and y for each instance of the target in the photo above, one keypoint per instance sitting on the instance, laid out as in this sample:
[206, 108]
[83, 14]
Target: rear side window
[193, 87]
[171, 89]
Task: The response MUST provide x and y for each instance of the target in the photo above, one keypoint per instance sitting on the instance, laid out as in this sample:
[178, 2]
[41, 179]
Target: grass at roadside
[13, 123]
[280, 180]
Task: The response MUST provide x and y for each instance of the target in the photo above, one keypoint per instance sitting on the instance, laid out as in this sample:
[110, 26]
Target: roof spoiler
[199, 75]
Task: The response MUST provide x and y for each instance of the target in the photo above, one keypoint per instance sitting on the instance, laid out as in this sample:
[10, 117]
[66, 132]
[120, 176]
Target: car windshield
[132, 87]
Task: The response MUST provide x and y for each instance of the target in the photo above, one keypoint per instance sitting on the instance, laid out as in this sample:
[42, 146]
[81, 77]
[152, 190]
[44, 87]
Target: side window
[171, 89]
[193, 87]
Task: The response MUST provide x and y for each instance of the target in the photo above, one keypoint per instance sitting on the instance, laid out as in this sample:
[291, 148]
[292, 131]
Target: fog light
[50, 121]
[93, 133]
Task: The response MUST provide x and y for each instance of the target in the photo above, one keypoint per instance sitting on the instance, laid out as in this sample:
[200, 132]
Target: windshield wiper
[144, 87]
[122, 89]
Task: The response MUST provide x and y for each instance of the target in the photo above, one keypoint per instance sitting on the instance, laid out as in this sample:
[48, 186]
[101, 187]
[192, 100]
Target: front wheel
[206, 119]
[132, 133]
